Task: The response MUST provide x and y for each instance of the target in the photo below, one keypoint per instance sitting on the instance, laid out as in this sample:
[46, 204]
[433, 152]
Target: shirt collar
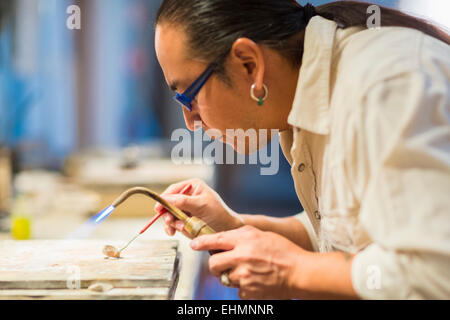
[311, 106]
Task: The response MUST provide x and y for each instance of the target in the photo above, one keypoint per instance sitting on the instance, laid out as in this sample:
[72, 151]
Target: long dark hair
[212, 26]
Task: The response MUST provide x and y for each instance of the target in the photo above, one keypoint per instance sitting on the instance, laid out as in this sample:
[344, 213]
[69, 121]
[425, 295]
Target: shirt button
[301, 167]
[317, 215]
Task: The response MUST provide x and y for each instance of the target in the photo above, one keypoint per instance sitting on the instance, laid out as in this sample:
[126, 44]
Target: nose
[190, 117]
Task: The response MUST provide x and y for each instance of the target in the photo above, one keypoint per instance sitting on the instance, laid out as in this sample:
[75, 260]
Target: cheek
[222, 110]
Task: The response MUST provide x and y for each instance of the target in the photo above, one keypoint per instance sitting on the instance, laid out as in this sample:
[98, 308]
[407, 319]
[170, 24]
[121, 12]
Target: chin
[246, 147]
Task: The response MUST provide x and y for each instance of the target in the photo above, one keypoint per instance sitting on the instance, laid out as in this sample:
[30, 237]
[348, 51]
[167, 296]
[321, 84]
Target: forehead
[171, 51]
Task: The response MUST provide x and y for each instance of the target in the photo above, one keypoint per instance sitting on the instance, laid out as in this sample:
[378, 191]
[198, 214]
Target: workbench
[184, 267]
[59, 207]
[77, 269]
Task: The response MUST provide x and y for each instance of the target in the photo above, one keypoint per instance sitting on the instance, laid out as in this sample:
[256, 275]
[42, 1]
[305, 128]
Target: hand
[201, 201]
[262, 264]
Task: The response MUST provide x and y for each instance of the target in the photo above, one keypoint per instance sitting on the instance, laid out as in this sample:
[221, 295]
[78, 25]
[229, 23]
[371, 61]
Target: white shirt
[370, 154]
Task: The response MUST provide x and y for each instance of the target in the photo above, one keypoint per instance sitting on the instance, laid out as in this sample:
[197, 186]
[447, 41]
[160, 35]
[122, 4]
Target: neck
[285, 99]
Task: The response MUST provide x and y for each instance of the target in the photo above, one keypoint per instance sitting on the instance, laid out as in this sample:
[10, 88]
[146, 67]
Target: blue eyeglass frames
[186, 98]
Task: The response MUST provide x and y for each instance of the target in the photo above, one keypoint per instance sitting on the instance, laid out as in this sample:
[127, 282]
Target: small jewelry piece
[260, 100]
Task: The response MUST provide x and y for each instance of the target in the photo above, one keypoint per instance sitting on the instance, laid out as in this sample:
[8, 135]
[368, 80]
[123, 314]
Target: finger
[172, 189]
[223, 262]
[179, 225]
[158, 207]
[235, 276]
[169, 219]
[242, 294]
[169, 230]
[183, 202]
[171, 224]
[246, 294]
[176, 187]
[254, 293]
[187, 234]
[218, 241]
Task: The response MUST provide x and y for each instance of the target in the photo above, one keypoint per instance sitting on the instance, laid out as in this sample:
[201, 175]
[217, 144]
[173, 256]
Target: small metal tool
[156, 217]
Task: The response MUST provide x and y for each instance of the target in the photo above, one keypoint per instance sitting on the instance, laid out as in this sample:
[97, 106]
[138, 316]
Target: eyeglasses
[186, 98]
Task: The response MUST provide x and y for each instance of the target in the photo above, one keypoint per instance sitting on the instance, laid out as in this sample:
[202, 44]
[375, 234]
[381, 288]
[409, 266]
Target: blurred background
[86, 113]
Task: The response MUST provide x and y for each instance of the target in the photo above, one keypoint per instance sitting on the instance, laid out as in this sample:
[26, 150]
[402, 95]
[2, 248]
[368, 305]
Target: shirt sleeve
[304, 220]
[403, 134]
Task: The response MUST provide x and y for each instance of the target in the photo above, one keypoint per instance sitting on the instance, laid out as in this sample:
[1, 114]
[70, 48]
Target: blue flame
[103, 214]
[89, 226]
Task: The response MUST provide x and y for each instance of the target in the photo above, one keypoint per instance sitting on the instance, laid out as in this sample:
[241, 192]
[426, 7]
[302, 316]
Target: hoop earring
[260, 100]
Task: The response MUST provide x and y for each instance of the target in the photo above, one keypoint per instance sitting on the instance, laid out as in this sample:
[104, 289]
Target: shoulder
[371, 56]
[392, 86]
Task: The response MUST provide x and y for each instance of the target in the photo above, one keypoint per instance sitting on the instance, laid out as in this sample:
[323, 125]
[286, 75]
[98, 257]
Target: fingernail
[179, 225]
[194, 244]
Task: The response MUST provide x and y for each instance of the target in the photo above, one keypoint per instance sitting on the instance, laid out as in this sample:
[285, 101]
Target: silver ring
[252, 93]
[225, 280]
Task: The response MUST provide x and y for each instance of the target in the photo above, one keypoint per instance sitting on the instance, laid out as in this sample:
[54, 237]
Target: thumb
[225, 240]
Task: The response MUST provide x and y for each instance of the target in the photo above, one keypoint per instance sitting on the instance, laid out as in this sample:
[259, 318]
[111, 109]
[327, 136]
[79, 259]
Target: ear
[247, 57]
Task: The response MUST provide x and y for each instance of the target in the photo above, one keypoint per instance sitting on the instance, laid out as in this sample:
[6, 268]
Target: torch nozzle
[104, 213]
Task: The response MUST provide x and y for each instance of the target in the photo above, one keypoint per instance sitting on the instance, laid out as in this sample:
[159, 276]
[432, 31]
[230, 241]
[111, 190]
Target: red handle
[184, 191]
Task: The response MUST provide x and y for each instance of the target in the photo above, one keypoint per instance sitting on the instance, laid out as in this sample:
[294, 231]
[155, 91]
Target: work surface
[58, 209]
[64, 269]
